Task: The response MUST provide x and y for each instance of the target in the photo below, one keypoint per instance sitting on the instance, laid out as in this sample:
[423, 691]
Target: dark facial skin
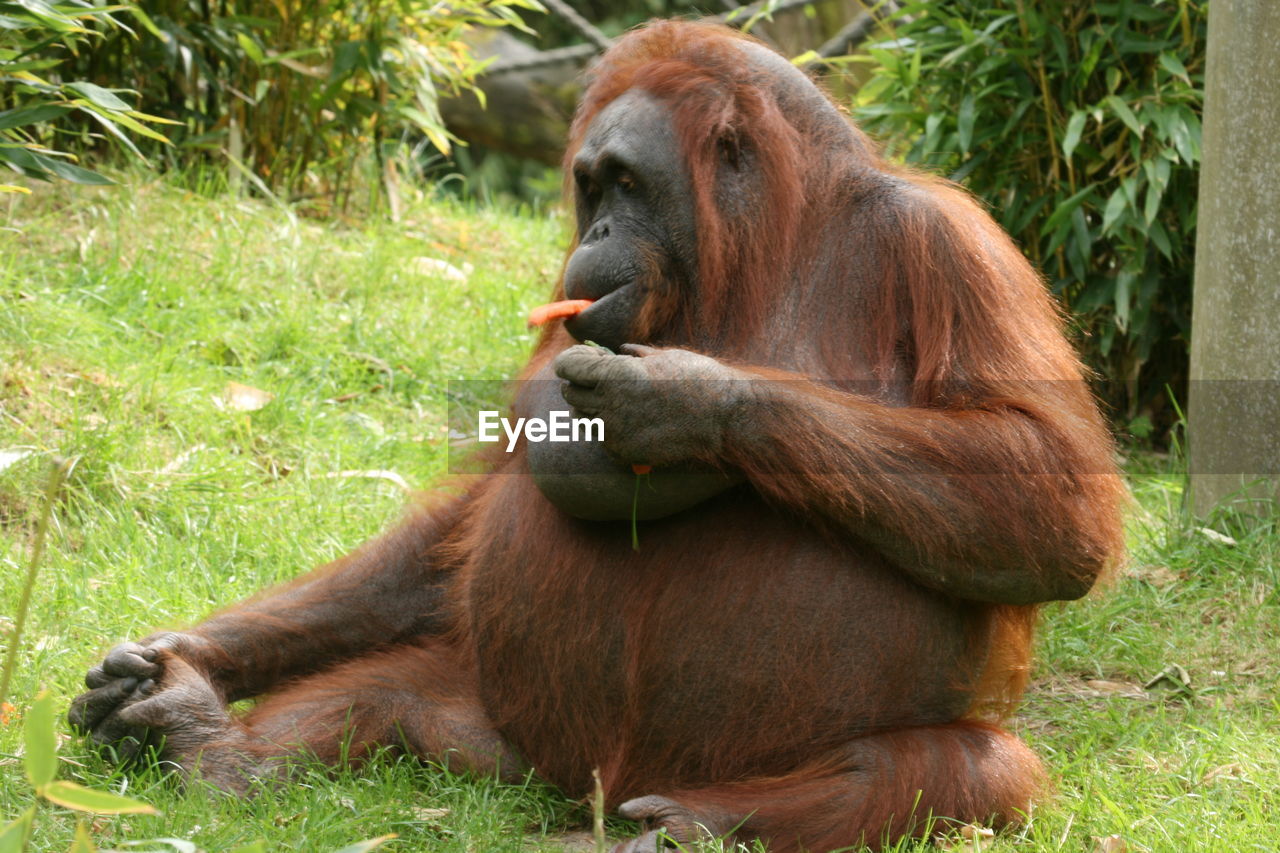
[635, 213]
[635, 234]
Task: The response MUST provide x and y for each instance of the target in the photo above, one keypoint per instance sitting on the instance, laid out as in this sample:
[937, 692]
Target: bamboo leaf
[964, 122]
[1191, 122]
[98, 96]
[110, 127]
[1074, 128]
[83, 799]
[31, 65]
[1181, 135]
[1115, 207]
[1174, 66]
[1157, 171]
[251, 48]
[31, 115]
[82, 843]
[37, 10]
[16, 833]
[1079, 259]
[1129, 186]
[41, 759]
[138, 127]
[1121, 300]
[156, 119]
[1121, 110]
[1161, 238]
[150, 25]
[1063, 211]
[1151, 207]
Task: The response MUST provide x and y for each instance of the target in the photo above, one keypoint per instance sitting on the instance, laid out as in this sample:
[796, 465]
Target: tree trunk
[1234, 411]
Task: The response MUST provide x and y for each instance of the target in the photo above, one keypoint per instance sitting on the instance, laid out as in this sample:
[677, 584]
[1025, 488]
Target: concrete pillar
[1234, 407]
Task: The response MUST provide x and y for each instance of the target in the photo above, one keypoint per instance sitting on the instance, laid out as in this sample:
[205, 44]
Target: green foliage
[36, 38]
[1079, 124]
[40, 741]
[15, 835]
[298, 94]
[41, 763]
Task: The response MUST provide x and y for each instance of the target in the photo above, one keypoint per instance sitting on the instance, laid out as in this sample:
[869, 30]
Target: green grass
[125, 312]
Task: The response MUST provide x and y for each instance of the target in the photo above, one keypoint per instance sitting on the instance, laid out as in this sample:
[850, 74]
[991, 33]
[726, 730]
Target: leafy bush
[1079, 124]
[298, 93]
[36, 38]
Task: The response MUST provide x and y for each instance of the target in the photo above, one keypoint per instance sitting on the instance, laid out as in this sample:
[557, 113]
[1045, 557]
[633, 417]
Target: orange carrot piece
[555, 310]
[641, 468]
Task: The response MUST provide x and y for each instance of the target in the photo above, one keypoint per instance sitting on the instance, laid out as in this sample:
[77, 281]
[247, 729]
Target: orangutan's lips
[606, 299]
[607, 318]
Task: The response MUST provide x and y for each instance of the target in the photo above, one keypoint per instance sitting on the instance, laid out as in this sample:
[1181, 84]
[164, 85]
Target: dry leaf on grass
[1231, 770]
[242, 398]
[1157, 576]
[969, 837]
[1110, 844]
[1174, 676]
[178, 462]
[422, 813]
[348, 397]
[9, 458]
[444, 269]
[1214, 536]
[389, 476]
[1119, 688]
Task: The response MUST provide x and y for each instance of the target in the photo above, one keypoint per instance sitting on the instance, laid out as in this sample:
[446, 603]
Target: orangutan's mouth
[609, 318]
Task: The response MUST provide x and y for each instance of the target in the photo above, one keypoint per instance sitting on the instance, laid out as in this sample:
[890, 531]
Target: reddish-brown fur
[818, 656]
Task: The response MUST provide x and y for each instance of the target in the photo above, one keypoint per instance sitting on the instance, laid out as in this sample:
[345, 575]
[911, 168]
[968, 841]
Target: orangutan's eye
[625, 182]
